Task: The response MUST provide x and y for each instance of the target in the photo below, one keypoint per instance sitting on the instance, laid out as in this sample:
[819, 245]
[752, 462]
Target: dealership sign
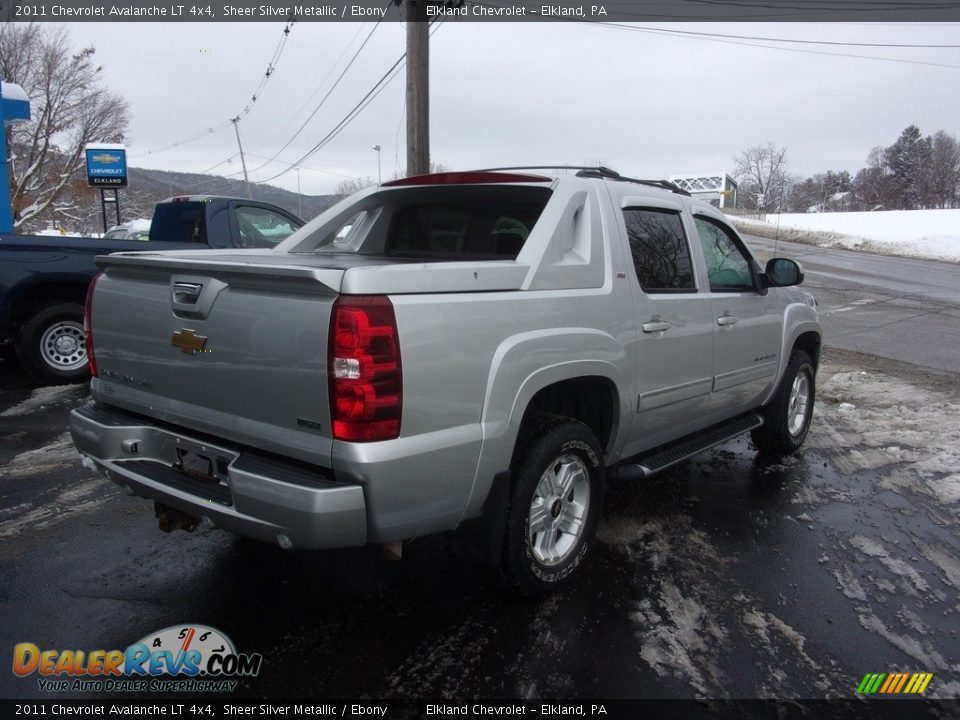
[106, 165]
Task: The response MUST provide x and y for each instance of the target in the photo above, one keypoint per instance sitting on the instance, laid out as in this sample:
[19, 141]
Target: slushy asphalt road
[894, 307]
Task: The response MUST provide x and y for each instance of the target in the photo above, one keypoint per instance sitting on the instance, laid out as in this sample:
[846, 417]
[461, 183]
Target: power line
[316, 90]
[377, 88]
[348, 118]
[186, 141]
[720, 39]
[271, 68]
[333, 87]
[773, 39]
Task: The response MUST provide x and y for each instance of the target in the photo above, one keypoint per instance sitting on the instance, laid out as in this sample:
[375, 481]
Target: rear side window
[494, 228]
[179, 222]
[658, 244]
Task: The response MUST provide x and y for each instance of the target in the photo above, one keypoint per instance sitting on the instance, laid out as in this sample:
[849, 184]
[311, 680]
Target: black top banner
[63, 11]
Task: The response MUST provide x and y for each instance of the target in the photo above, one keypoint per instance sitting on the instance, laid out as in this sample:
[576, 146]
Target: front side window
[262, 228]
[728, 268]
[661, 256]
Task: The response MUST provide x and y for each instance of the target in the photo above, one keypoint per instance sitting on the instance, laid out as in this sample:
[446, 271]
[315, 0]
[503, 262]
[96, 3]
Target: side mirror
[783, 272]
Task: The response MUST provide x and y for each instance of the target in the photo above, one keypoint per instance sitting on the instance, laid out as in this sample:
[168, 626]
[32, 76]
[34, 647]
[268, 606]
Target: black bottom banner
[599, 709]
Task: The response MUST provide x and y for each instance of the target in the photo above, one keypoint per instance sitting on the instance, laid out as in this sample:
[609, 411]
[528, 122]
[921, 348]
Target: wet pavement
[728, 576]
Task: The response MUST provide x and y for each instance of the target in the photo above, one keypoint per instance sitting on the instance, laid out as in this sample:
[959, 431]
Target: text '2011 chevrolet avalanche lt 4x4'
[468, 352]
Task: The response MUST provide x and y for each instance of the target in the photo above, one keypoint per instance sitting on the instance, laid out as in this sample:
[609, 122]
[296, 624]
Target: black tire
[8, 353]
[50, 345]
[535, 565]
[786, 423]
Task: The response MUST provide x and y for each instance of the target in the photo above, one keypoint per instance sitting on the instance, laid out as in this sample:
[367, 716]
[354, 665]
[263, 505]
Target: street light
[299, 196]
[379, 176]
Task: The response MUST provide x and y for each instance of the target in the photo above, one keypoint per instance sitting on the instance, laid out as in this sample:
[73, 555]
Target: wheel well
[809, 342]
[591, 400]
[38, 296]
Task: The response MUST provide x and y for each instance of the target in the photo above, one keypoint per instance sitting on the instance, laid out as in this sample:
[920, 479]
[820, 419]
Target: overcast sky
[647, 104]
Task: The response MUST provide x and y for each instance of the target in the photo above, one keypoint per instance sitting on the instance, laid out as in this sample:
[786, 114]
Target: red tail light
[88, 326]
[366, 381]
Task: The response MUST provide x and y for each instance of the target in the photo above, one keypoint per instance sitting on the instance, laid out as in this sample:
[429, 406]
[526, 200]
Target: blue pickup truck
[44, 280]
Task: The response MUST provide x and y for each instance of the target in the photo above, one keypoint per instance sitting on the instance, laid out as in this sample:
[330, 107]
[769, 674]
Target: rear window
[180, 222]
[475, 230]
[442, 223]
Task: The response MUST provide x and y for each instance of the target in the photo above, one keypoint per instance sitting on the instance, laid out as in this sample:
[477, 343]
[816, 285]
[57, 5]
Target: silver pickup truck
[468, 352]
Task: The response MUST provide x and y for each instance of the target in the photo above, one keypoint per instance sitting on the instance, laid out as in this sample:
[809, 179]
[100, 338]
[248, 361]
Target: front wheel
[787, 416]
[555, 506]
[50, 346]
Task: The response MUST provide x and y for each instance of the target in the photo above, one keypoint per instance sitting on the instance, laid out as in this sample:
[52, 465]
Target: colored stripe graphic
[875, 684]
[894, 683]
[891, 683]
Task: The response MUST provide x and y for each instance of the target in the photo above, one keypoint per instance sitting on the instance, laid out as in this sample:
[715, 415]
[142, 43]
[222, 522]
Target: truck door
[748, 320]
[674, 348]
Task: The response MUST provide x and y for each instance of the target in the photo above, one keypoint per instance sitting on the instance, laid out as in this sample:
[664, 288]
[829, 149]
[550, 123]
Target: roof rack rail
[598, 171]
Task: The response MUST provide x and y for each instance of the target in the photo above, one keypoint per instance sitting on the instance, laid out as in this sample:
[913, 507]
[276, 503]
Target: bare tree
[70, 109]
[349, 187]
[762, 172]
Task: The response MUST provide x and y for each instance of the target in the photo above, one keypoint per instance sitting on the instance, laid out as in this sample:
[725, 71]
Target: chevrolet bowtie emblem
[188, 341]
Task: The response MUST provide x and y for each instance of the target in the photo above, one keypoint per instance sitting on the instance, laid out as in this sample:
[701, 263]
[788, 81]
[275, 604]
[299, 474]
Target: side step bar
[663, 457]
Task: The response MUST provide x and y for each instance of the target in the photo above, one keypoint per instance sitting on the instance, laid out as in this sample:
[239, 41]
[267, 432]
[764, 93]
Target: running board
[646, 465]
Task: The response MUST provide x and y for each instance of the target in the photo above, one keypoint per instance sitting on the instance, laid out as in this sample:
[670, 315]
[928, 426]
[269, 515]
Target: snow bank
[916, 233]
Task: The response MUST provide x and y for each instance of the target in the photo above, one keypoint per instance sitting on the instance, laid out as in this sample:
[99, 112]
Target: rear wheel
[555, 506]
[51, 347]
[787, 416]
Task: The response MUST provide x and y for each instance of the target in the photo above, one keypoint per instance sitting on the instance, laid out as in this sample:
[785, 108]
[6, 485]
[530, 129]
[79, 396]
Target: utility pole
[418, 88]
[243, 162]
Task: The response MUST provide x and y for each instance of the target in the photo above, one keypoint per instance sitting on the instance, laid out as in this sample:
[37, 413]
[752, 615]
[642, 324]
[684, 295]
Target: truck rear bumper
[231, 488]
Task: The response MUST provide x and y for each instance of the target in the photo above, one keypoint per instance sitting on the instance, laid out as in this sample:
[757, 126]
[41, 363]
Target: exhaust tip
[393, 550]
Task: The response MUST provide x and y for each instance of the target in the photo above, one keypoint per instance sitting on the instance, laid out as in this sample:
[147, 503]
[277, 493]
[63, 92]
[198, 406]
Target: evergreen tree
[907, 159]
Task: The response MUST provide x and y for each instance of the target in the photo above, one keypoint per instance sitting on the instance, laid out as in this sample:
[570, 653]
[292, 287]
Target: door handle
[656, 326]
[726, 320]
[186, 292]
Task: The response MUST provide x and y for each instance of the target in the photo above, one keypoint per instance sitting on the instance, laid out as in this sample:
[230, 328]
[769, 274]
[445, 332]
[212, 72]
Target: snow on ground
[58, 454]
[911, 433]
[933, 234]
[44, 396]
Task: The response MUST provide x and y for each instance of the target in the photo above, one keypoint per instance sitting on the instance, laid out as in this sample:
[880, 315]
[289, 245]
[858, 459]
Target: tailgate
[234, 349]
